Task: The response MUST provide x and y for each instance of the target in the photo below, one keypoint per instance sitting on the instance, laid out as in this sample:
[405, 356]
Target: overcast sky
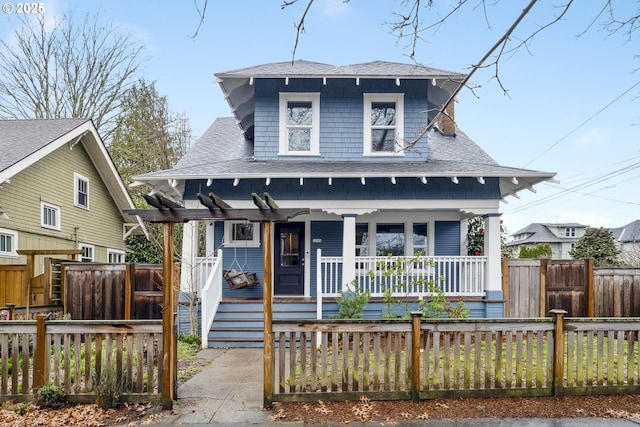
[573, 104]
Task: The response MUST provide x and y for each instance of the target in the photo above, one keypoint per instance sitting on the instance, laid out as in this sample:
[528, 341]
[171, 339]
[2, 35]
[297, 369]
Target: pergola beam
[189, 214]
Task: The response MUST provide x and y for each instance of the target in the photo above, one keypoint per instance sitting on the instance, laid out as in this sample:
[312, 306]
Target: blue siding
[249, 259]
[329, 234]
[447, 238]
[341, 116]
[349, 189]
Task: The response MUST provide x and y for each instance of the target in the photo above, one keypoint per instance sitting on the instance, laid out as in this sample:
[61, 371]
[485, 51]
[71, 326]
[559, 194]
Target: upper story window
[81, 191]
[50, 216]
[8, 243]
[570, 232]
[383, 124]
[299, 123]
[87, 254]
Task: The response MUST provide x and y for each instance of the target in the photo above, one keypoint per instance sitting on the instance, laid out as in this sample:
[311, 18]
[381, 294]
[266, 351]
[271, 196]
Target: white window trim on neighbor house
[369, 99]
[88, 252]
[77, 179]
[229, 240]
[44, 218]
[314, 98]
[115, 256]
[10, 236]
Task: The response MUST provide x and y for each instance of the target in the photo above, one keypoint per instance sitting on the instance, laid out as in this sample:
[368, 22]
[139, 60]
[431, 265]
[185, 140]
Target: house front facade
[561, 237]
[59, 190]
[349, 146]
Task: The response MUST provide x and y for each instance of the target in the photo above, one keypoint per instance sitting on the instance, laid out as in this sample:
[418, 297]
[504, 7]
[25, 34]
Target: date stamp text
[23, 8]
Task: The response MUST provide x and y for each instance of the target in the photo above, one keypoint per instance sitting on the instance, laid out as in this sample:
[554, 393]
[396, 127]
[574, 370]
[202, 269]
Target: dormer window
[299, 124]
[383, 124]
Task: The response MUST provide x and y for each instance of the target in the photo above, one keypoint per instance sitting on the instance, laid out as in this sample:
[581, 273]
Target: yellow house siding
[51, 180]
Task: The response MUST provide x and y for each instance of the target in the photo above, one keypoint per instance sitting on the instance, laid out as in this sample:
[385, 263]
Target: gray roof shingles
[21, 138]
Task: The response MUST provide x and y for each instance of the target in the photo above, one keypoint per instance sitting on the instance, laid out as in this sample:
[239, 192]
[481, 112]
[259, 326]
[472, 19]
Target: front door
[289, 258]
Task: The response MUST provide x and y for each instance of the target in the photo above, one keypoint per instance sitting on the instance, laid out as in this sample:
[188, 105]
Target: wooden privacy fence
[77, 355]
[616, 292]
[112, 291]
[425, 359]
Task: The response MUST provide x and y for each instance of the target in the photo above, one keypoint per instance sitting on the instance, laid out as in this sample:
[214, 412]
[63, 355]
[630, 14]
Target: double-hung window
[87, 254]
[8, 243]
[81, 186]
[383, 124]
[50, 216]
[300, 124]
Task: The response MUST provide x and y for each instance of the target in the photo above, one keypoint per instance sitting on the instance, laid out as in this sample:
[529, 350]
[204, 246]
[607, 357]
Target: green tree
[149, 137]
[75, 68]
[599, 244]
[542, 250]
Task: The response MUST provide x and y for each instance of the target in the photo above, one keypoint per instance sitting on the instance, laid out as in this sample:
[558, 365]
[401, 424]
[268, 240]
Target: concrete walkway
[229, 392]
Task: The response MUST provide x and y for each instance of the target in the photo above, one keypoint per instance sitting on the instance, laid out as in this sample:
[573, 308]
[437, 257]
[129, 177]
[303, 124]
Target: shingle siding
[341, 116]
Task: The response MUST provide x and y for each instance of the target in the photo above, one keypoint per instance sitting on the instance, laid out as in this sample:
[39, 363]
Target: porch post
[189, 252]
[493, 272]
[348, 250]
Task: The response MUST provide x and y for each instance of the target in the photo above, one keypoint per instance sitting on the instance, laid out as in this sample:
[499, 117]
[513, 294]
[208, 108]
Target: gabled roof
[24, 142]
[627, 233]
[223, 153]
[541, 233]
[237, 85]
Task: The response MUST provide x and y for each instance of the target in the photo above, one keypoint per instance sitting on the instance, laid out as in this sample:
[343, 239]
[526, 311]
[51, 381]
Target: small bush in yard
[108, 388]
[352, 303]
[51, 396]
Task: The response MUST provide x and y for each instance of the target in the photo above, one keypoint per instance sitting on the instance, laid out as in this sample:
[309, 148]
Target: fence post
[558, 350]
[41, 353]
[543, 288]
[589, 293]
[416, 318]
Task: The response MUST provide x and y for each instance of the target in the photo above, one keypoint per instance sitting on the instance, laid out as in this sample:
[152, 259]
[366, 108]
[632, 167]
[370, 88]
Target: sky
[573, 96]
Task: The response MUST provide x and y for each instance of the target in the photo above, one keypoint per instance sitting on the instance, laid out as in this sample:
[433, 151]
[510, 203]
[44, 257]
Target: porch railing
[455, 275]
[211, 297]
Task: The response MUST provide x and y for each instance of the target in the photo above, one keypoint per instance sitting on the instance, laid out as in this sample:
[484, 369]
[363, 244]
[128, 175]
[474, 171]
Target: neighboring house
[59, 190]
[333, 140]
[628, 241]
[561, 237]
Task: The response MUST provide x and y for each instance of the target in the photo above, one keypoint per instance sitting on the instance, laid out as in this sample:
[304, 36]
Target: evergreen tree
[599, 244]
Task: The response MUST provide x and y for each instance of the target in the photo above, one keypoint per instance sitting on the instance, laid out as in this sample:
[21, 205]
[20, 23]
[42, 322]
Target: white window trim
[398, 98]
[314, 98]
[58, 215]
[14, 243]
[116, 252]
[76, 202]
[408, 236]
[93, 252]
[254, 243]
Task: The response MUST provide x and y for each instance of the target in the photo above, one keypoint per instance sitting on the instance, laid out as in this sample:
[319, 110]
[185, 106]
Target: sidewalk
[229, 392]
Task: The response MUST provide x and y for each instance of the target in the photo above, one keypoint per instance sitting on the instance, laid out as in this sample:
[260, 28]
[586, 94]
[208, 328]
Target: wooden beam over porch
[169, 213]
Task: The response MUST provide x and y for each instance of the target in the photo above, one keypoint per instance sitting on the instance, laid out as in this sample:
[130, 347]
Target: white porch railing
[211, 295]
[456, 276]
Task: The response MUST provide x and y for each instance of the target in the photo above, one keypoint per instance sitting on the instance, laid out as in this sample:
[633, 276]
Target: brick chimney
[447, 122]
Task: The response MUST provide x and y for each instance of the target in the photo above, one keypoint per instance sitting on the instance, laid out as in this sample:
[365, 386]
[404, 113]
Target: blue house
[348, 144]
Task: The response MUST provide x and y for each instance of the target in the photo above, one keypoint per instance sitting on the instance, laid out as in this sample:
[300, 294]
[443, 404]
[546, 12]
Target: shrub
[51, 396]
[352, 303]
[108, 387]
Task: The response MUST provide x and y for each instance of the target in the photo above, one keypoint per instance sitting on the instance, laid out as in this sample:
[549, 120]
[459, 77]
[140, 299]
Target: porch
[225, 316]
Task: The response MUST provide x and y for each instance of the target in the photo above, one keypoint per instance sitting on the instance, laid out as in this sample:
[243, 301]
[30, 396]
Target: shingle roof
[627, 233]
[372, 69]
[540, 233]
[21, 138]
[223, 152]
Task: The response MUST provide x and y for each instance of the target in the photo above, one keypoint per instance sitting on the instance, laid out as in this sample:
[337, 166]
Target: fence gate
[568, 284]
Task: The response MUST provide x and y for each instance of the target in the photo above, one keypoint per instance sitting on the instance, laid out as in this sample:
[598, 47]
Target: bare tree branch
[201, 13]
[299, 26]
[72, 70]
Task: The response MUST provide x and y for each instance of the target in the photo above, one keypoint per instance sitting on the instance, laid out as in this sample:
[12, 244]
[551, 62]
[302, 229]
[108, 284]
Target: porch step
[239, 323]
